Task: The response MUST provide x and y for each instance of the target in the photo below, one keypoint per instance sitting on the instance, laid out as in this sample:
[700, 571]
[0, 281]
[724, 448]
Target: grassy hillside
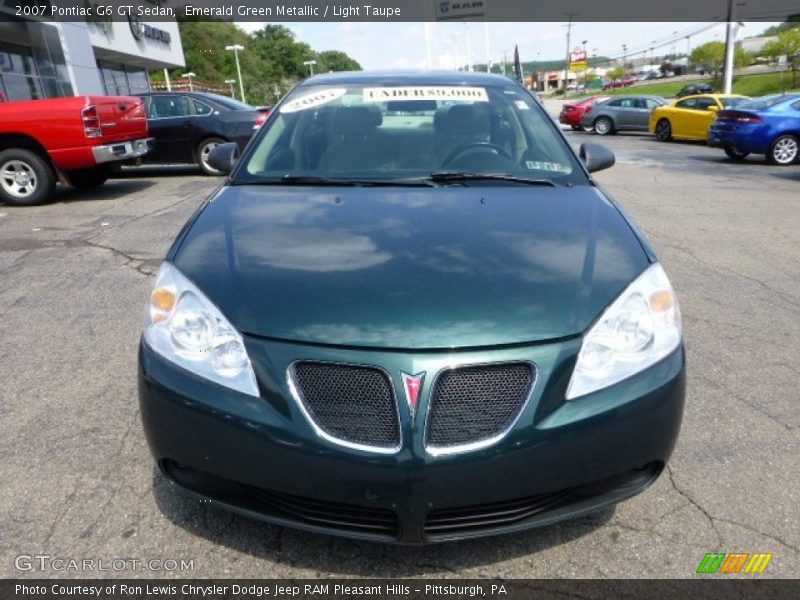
[748, 85]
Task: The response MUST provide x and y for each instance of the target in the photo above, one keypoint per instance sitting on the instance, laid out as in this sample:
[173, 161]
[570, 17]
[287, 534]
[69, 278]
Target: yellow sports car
[690, 117]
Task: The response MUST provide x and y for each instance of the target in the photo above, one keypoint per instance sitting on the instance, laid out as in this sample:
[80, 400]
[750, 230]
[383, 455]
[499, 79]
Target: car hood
[410, 267]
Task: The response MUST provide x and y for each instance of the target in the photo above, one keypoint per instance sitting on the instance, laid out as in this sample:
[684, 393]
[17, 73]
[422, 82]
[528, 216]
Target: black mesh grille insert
[472, 404]
[350, 403]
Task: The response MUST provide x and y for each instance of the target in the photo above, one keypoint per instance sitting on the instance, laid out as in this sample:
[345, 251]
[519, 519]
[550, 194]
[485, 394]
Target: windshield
[764, 102]
[364, 132]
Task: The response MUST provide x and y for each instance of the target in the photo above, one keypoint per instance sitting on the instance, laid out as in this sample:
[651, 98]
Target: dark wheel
[87, 179]
[784, 150]
[663, 130]
[588, 128]
[25, 177]
[576, 127]
[603, 126]
[735, 154]
[204, 148]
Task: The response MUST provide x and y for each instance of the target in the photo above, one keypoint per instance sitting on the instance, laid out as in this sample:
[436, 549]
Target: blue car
[769, 125]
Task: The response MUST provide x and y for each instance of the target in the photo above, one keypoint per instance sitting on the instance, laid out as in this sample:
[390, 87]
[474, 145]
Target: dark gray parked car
[621, 113]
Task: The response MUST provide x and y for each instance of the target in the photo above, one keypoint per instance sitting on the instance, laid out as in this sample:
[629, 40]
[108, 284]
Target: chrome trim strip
[298, 397]
[479, 445]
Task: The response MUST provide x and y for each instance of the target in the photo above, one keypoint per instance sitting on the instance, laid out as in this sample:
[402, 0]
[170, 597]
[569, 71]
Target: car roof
[653, 96]
[715, 96]
[173, 92]
[409, 77]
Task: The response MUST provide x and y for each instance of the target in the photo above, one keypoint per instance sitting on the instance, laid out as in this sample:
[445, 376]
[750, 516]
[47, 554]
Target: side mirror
[596, 157]
[713, 108]
[224, 157]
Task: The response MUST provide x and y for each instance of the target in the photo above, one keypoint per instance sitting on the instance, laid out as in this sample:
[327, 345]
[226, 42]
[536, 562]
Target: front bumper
[261, 457]
[121, 151]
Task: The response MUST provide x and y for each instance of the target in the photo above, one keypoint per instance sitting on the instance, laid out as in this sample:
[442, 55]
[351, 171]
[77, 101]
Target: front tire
[735, 154]
[204, 148]
[603, 126]
[25, 177]
[784, 151]
[664, 130]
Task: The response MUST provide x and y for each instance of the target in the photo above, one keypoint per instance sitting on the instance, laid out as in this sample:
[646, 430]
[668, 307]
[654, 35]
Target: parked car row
[81, 141]
[741, 126]
[187, 126]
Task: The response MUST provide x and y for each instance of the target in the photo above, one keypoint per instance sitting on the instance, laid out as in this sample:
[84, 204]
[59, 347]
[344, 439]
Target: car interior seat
[354, 146]
[458, 126]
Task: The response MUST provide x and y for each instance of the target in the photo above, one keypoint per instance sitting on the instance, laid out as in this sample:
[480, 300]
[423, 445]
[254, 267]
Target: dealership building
[46, 59]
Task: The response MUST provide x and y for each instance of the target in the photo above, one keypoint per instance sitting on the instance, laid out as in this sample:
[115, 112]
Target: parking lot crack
[137, 264]
[696, 504]
[742, 399]
[780, 540]
[788, 298]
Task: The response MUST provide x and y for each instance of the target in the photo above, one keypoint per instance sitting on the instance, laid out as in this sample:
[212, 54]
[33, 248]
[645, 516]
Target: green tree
[334, 60]
[791, 23]
[616, 73]
[788, 45]
[271, 63]
[711, 57]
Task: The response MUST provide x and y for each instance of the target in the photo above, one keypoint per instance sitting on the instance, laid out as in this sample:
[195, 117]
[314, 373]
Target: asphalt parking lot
[78, 481]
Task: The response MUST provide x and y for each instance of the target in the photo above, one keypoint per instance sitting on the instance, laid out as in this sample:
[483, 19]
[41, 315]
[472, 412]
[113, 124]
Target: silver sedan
[621, 113]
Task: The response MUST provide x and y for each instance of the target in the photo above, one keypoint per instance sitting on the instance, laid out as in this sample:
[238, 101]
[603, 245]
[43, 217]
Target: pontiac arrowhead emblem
[413, 387]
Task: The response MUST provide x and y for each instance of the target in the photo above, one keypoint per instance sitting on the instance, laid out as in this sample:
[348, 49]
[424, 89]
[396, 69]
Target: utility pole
[566, 66]
[486, 42]
[428, 45]
[236, 48]
[730, 47]
[469, 47]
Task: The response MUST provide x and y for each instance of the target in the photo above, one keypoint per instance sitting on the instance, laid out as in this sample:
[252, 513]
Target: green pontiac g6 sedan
[410, 315]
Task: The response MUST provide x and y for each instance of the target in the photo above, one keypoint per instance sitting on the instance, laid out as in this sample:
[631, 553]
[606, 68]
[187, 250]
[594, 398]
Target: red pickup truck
[76, 141]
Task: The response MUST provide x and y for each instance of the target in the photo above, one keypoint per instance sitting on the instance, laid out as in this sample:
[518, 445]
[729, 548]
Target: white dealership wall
[129, 44]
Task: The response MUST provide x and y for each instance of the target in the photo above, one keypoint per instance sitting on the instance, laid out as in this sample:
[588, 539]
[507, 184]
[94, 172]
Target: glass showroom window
[18, 73]
[121, 80]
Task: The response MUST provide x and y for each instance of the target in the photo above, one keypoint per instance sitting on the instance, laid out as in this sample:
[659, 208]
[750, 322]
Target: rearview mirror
[224, 157]
[713, 108]
[596, 157]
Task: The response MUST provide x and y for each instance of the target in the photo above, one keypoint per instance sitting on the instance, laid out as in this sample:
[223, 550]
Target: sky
[403, 45]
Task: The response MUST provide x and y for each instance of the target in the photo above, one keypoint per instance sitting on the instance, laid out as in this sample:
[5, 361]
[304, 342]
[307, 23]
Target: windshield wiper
[332, 181]
[457, 176]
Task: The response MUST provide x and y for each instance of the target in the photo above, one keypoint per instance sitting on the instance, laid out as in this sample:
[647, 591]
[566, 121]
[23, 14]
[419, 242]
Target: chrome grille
[473, 405]
[351, 404]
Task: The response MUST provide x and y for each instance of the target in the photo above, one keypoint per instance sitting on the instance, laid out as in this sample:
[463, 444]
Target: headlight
[183, 326]
[640, 328]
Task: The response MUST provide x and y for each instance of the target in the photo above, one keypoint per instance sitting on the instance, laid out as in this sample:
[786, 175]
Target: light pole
[586, 60]
[190, 76]
[566, 63]
[230, 82]
[624, 54]
[236, 49]
[310, 64]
